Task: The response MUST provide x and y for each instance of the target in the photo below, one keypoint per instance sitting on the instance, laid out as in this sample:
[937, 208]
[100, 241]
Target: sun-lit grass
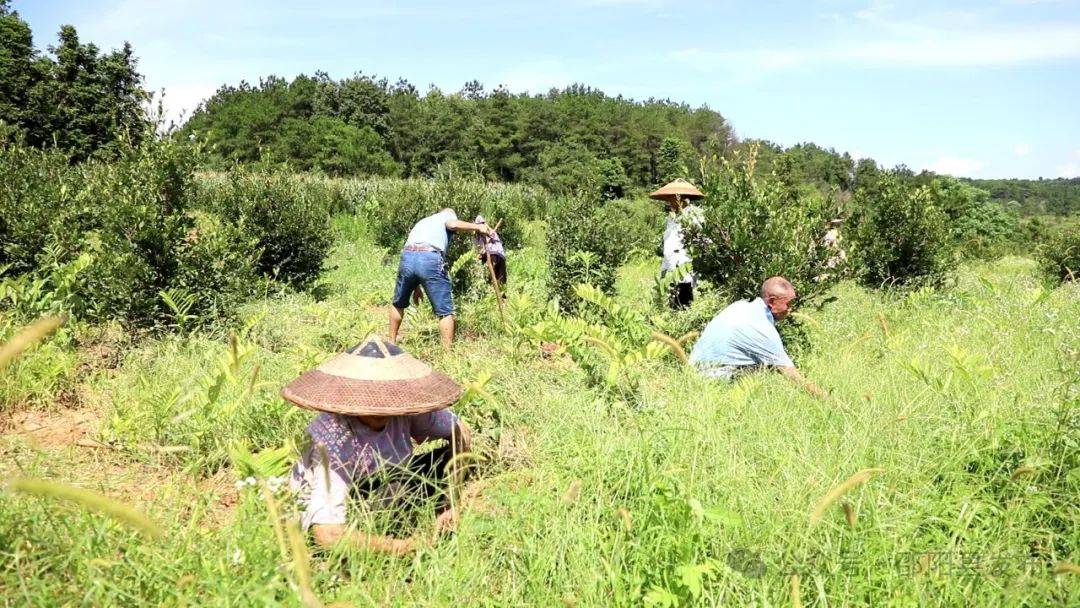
[685, 491]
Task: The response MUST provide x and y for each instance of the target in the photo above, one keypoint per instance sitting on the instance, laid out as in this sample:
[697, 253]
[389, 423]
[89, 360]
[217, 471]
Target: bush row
[897, 230]
[144, 239]
[138, 240]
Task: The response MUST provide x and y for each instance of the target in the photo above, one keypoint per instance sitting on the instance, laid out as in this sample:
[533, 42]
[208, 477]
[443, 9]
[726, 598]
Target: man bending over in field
[423, 262]
[376, 402]
[743, 337]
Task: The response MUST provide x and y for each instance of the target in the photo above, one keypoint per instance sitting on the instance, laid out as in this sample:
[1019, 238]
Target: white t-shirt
[432, 231]
[675, 254]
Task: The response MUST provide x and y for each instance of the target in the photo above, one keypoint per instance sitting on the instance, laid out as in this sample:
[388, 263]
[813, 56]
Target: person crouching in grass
[423, 262]
[376, 403]
[743, 338]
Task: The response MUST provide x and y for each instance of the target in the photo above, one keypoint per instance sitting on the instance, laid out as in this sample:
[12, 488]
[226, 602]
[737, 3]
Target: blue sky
[984, 89]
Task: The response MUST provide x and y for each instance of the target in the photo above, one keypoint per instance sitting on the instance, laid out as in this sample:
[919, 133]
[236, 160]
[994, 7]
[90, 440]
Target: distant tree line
[367, 125]
[1059, 196]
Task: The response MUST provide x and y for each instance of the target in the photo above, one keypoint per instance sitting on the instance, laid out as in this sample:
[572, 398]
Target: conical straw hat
[373, 378]
[680, 187]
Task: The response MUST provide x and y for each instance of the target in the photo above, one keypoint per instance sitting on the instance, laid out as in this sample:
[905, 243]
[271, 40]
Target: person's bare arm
[461, 440]
[792, 373]
[329, 535]
[460, 226]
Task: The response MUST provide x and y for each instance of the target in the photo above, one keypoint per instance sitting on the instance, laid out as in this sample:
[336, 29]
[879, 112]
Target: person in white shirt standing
[676, 259]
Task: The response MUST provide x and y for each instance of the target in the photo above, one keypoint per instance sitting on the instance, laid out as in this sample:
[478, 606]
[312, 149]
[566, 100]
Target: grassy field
[668, 490]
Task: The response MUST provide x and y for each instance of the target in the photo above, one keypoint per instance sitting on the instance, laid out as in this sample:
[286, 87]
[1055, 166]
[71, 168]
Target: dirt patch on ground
[52, 428]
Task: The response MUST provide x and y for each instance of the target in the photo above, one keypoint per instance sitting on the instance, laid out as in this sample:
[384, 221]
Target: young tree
[82, 101]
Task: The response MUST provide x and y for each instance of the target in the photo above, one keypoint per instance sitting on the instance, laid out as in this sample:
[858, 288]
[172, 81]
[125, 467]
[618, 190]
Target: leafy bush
[900, 236]
[288, 216]
[217, 267]
[611, 342]
[584, 246]
[124, 231]
[979, 227]
[130, 216]
[636, 224]
[754, 228]
[37, 185]
[1060, 255]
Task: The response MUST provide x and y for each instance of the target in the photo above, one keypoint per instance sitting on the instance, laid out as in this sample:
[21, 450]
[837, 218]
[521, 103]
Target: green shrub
[130, 216]
[900, 236]
[37, 186]
[979, 227]
[637, 224]
[584, 246]
[289, 217]
[105, 240]
[1060, 255]
[754, 228]
[217, 267]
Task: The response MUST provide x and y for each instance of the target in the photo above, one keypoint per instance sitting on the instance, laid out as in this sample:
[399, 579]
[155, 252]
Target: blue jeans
[425, 268]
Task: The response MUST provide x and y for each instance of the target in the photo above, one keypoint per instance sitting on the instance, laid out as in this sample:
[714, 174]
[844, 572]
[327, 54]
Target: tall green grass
[697, 493]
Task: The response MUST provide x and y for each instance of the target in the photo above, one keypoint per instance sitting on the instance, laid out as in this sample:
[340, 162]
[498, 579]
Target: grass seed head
[572, 492]
[27, 337]
[834, 494]
[93, 501]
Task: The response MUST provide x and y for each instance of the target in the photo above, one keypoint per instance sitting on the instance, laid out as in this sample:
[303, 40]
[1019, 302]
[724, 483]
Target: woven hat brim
[680, 187]
[323, 392]
[661, 194]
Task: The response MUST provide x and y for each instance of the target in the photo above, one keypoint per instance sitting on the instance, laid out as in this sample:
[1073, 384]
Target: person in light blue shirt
[423, 262]
[743, 337]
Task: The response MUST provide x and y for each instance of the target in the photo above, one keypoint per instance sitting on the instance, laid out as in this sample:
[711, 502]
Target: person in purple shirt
[491, 245]
[377, 404]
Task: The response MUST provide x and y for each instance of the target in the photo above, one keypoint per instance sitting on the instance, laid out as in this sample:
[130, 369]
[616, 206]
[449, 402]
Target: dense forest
[75, 97]
[1059, 196]
[367, 125]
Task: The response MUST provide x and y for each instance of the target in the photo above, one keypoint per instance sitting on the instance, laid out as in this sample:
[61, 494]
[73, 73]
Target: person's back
[432, 231]
[423, 263]
[741, 337]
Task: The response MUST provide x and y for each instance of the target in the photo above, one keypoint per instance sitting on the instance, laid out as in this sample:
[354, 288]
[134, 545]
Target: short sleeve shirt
[432, 231]
[675, 253]
[743, 334]
[343, 451]
[488, 244]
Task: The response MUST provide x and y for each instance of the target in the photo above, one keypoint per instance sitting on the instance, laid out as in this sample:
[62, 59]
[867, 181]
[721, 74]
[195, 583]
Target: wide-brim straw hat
[373, 378]
[680, 187]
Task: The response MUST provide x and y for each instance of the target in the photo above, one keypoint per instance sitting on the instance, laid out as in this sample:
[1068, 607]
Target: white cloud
[1071, 167]
[180, 101]
[536, 76]
[956, 165]
[1022, 149]
[937, 49]
[876, 36]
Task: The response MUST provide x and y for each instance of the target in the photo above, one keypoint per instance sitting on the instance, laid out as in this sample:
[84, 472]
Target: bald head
[778, 292]
[777, 287]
